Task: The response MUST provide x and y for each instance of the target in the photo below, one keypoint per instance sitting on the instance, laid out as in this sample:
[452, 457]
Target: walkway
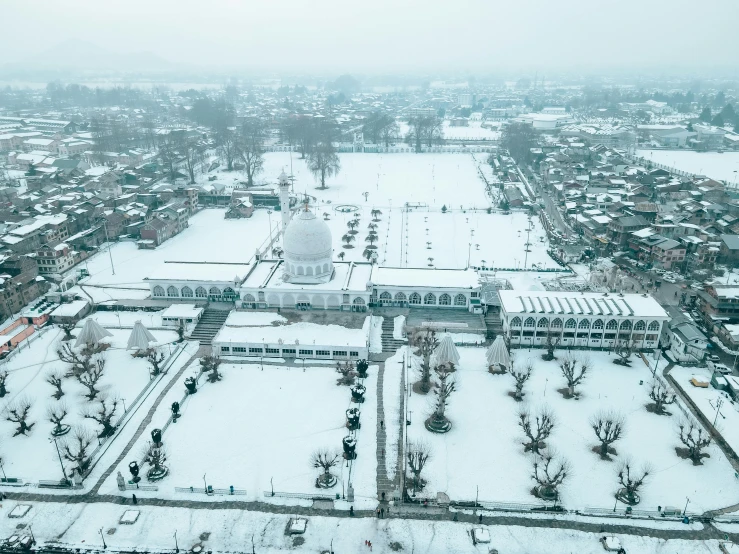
[383, 483]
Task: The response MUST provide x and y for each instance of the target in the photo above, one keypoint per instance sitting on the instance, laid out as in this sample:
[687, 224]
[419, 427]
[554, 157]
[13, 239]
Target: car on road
[722, 369]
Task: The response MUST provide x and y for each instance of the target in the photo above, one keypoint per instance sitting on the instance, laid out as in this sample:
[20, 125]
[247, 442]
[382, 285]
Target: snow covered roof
[584, 303]
[71, 309]
[182, 311]
[419, 277]
[184, 271]
[303, 332]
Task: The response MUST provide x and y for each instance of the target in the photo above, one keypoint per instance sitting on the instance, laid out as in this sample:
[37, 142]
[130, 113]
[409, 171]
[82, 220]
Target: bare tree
[169, 153]
[79, 361]
[3, 383]
[425, 342]
[17, 413]
[418, 454]
[56, 413]
[608, 428]
[572, 373]
[536, 430]
[624, 349]
[551, 345]
[103, 414]
[549, 473]
[55, 378]
[325, 459]
[89, 378]
[210, 364]
[661, 397]
[631, 481]
[76, 450]
[390, 132]
[323, 162]
[251, 148]
[423, 129]
[227, 145]
[520, 377]
[695, 439]
[192, 152]
[348, 375]
[67, 327]
[155, 359]
[181, 330]
[438, 422]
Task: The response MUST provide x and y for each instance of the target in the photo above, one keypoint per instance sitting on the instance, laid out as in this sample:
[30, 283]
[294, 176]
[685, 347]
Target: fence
[298, 495]
[138, 487]
[210, 491]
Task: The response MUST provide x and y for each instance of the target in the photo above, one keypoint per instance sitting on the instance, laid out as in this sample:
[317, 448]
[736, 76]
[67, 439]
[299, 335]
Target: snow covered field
[484, 448]
[260, 425]
[721, 166]
[34, 456]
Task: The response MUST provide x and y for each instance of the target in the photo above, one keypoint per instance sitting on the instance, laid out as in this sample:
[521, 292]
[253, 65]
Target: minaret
[284, 200]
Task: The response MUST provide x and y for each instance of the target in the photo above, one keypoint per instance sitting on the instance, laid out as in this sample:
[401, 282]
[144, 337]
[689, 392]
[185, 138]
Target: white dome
[308, 249]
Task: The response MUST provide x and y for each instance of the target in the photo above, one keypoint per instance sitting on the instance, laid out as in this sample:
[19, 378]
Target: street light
[103, 537]
[61, 464]
[686, 505]
[205, 484]
[176, 546]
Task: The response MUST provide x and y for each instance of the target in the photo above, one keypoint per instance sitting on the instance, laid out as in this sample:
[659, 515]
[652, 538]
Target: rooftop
[584, 303]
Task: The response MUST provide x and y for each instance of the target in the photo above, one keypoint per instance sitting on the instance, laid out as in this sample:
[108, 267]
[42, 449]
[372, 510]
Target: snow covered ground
[722, 166]
[231, 530]
[258, 428]
[34, 457]
[484, 448]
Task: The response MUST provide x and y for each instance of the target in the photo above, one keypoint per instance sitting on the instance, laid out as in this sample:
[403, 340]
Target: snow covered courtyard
[485, 445]
[721, 166]
[258, 428]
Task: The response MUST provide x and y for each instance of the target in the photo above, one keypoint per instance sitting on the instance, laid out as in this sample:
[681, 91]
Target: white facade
[308, 250]
[588, 320]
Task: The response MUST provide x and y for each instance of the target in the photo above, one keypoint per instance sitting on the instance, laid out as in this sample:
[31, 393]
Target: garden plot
[258, 428]
[484, 447]
[33, 457]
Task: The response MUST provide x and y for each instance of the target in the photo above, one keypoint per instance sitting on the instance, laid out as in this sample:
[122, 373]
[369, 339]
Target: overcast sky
[389, 35]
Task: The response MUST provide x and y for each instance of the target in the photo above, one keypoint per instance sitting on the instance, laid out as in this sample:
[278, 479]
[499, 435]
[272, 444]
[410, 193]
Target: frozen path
[383, 483]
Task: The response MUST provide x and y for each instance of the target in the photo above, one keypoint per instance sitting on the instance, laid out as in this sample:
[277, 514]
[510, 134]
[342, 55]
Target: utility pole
[105, 226]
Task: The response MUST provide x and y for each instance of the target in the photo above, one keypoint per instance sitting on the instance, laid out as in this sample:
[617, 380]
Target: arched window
[309, 270]
[214, 291]
[229, 292]
[626, 325]
[186, 292]
[556, 323]
[460, 300]
[400, 297]
[300, 270]
[445, 300]
[654, 326]
[249, 298]
[158, 291]
[543, 323]
[414, 298]
[598, 324]
[325, 268]
[358, 301]
[430, 298]
[612, 325]
[570, 324]
[516, 322]
[639, 325]
[172, 291]
[529, 322]
[200, 292]
[584, 324]
[385, 297]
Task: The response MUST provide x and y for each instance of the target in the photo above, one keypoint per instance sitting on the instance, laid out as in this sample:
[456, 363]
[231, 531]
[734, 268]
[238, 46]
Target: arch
[612, 325]
[200, 292]
[172, 291]
[570, 324]
[414, 298]
[158, 291]
[626, 325]
[249, 298]
[229, 292]
[598, 324]
[556, 323]
[214, 291]
[273, 300]
[300, 270]
[309, 271]
[543, 323]
[584, 324]
[460, 300]
[654, 326]
[400, 297]
[358, 301]
[429, 299]
[332, 301]
[288, 300]
[303, 298]
[529, 322]
[318, 270]
[516, 322]
[639, 325]
[186, 292]
[445, 300]
[325, 268]
[386, 297]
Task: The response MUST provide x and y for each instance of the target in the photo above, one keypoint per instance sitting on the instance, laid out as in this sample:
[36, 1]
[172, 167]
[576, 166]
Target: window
[323, 352]
[288, 352]
[654, 326]
[306, 352]
[249, 298]
[516, 322]
[253, 350]
[414, 298]
[460, 300]
[445, 300]
[596, 336]
[272, 350]
[158, 291]
[610, 336]
[200, 292]
[340, 353]
[228, 291]
[214, 291]
[186, 292]
[612, 325]
[225, 349]
[172, 291]
[556, 323]
[529, 322]
[651, 337]
[430, 298]
[598, 324]
[400, 297]
[543, 323]
[584, 324]
[385, 297]
[354, 354]
[570, 324]
[639, 326]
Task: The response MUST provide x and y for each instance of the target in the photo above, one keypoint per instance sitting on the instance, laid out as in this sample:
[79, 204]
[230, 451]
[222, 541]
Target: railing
[299, 495]
[210, 491]
[137, 487]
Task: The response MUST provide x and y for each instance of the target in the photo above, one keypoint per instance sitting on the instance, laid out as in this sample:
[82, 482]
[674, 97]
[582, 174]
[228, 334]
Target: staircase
[210, 323]
[492, 322]
[389, 343]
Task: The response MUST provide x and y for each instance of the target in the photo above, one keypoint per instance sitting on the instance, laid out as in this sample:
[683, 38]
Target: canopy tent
[140, 337]
[91, 333]
[445, 353]
[497, 354]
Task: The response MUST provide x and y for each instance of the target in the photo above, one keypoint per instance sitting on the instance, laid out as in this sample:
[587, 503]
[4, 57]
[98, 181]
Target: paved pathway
[383, 483]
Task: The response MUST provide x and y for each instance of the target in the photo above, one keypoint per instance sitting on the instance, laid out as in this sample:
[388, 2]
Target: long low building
[587, 319]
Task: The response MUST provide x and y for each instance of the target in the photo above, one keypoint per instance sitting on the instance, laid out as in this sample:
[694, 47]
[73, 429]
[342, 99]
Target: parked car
[713, 358]
[722, 369]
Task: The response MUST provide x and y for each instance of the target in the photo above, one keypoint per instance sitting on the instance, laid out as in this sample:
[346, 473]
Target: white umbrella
[497, 354]
[140, 337]
[446, 352]
[91, 333]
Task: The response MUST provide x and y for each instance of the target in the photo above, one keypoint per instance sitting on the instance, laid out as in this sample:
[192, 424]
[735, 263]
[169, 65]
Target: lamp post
[176, 546]
[269, 214]
[5, 477]
[686, 505]
[105, 226]
[205, 484]
[61, 463]
[103, 537]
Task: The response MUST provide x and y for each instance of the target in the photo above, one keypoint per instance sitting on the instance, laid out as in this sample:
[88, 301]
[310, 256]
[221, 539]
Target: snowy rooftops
[348, 276]
[72, 309]
[195, 271]
[182, 311]
[418, 277]
[586, 303]
[297, 333]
